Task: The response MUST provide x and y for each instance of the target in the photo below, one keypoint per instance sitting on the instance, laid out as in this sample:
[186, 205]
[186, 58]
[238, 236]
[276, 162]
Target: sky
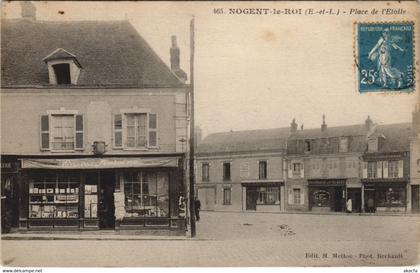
[256, 72]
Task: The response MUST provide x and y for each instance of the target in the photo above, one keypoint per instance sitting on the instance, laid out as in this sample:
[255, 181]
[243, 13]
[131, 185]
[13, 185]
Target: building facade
[323, 167]
[386, 169]
[96, 125]
[242, 171]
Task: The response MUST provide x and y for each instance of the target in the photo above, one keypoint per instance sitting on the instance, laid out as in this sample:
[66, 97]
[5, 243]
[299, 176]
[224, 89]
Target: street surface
[242, 239]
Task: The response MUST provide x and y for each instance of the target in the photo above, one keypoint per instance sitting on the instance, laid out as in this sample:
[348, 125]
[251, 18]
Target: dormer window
[63, 67]
[62, 73]
[373, 144]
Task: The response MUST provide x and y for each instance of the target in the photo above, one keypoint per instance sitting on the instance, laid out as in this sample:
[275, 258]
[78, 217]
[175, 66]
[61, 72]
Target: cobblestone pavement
[242, 239]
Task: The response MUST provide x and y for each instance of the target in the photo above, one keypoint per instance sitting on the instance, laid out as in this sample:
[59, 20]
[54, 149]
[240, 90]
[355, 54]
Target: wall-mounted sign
[9, 167]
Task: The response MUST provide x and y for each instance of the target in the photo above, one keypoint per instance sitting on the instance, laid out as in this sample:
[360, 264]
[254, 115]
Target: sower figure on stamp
[381, 52]
[197, 206]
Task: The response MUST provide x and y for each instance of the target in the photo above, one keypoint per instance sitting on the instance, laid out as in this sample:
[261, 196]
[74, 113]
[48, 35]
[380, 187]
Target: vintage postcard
[210, 134]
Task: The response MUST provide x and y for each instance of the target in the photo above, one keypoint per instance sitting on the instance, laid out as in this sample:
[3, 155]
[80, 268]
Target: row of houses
[319, 170]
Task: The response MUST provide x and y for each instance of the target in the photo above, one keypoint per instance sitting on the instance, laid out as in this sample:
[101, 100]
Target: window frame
[225, 176]
[227, 192]
[62, 112]
[262, 169]
[205, 175]
[372, 166]
[396, 168]
[123, 130]
[296, 197]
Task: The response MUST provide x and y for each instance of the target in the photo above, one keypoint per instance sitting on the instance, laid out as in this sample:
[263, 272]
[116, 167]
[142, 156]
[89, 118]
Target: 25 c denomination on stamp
[385, 57]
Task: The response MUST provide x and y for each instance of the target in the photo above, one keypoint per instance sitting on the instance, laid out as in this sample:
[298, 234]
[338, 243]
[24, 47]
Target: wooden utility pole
[192, 135]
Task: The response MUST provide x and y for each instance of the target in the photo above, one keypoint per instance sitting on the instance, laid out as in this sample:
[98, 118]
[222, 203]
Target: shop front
[102, 193]
[386, 196]
[263, 196]
[327, 195]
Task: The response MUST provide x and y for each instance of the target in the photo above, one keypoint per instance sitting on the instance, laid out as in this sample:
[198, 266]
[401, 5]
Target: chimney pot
[323, 125]
[293, 127]
[368, 123]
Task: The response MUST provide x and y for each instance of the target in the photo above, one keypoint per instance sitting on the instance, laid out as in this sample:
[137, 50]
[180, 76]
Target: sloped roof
[397, 137]
[110, 52]
[61, 53]
[245, 141]
[338, 131]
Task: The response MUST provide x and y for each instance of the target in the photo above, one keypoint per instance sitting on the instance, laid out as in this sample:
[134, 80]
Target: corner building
[94, 127]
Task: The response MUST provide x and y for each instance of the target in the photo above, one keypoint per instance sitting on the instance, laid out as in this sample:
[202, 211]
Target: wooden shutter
[45, 132]
[400, 168]
[79, 132]
[379, 169]
[385, 169]
[153, 131]
[302, 170]
[118, 131]
[364, 169]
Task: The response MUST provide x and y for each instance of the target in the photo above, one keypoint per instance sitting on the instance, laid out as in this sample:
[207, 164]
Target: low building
[241, 171]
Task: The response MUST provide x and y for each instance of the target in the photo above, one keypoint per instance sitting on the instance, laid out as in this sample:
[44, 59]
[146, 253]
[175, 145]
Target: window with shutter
[153, 126]
[62, 130]
[79, 132]
[45, 133]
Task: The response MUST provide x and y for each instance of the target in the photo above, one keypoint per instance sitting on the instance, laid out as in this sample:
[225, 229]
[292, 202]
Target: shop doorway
[251, 198]
[106, 201]
[355, 194]
[370, 204]
[338, 199]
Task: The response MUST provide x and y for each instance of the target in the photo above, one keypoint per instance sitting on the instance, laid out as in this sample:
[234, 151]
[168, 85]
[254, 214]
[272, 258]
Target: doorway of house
[106, 201]
[356, 198]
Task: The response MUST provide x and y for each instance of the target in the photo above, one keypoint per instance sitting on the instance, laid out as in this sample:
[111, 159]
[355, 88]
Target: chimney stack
[323, 125]
[198, 135]
[175, 64]
[174, 51]
[293, 127]
[368, 124]
[28, 10]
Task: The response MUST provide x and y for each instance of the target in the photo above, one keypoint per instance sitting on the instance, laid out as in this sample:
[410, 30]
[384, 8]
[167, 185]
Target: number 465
[368, 76]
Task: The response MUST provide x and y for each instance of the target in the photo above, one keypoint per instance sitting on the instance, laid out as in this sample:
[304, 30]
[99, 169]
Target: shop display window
[268, 195]
[146, 194]
[53, 196]
[390, 196]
